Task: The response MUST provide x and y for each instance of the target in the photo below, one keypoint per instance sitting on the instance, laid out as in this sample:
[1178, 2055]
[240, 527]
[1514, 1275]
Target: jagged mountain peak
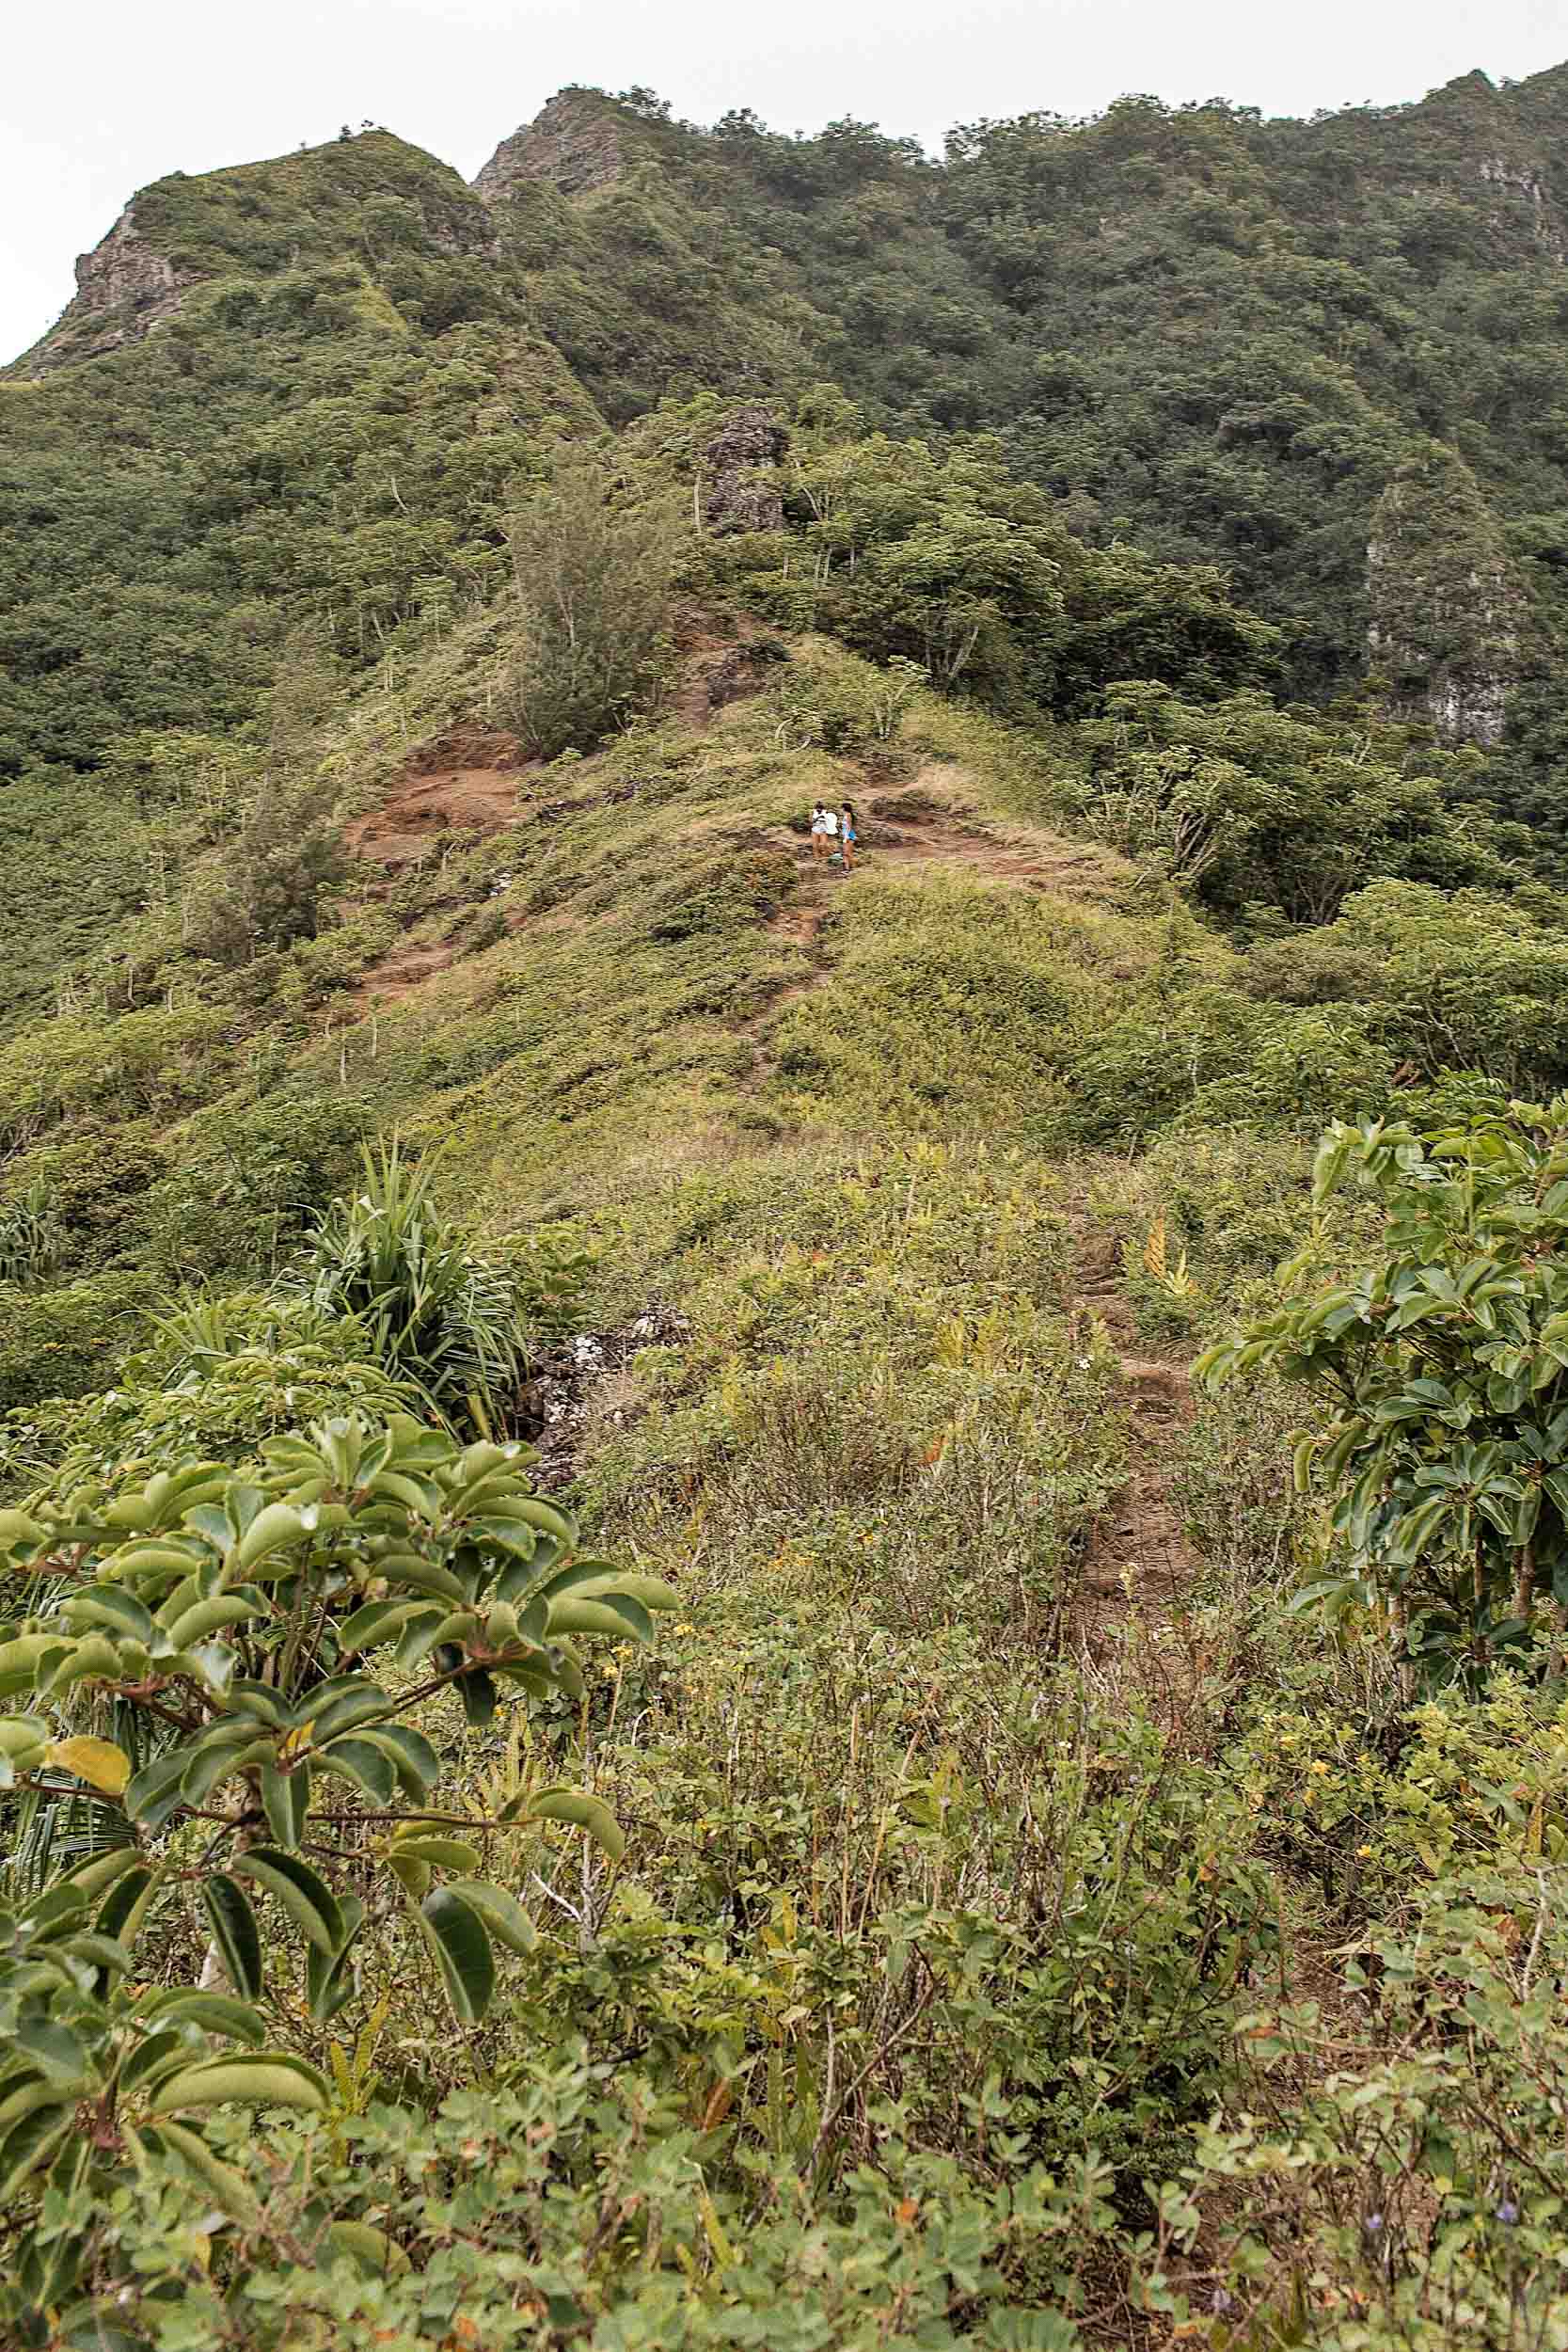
[580, 140]
[255, 220]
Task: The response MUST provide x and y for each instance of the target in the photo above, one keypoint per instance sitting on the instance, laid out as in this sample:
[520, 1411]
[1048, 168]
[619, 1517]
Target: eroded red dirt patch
[464, 782]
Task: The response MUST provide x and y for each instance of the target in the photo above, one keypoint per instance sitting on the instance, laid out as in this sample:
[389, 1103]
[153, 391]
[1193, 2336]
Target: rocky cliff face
[1445, 610]
[124, 289]
[1521, 190]
[737, 464]
[576, 142]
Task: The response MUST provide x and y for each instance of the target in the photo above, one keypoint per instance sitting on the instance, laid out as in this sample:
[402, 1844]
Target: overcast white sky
[100, 96]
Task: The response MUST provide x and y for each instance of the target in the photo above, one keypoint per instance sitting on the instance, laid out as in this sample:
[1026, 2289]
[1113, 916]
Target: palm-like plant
[199, 1331]
[438, 1313]
[31, 1240]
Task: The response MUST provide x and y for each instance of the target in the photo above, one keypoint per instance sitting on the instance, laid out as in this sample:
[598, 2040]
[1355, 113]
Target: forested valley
[768, 1587]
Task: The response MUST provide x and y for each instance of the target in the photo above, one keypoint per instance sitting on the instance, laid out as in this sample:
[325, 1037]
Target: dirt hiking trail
[1137, 1556]
[469, 781]
[921, 823]
[1136, 1559]
[464, 782]
[926, 821]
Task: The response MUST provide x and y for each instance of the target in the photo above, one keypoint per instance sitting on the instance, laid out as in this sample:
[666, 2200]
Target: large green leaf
[153, 1793]
[211, 2013]
[53, 2050]
[286, 1801]
[263, 2078]
[369, 2248]
[447, 1853]
[583, 1812]
[215, 1755]
[611, 1613]
[502, 1913]
[111, 1607]
[258, 1700]
[221, 2181]
[477, 1692]
[416, 1762]
[383, 1621]
[30, 2145]
[235, 1933]
[303, 1893]
[328, 1982]
[95, 1872]
[277, 1528]
[589, 1579]
[123, 1908]
[457, 1936]
[365, 1764]
[25, 2097]
[23, 1744]
[342, 1706]
[155, 2056]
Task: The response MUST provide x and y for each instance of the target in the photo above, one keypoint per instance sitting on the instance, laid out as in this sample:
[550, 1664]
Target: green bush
[1406, 2196]
[65, 1342]
[567, 2208]
[266, 887]
[265, 1648]
[837, 702]
[594, 572]
[1443, 1365]
[210, 1380]
[249, 1184]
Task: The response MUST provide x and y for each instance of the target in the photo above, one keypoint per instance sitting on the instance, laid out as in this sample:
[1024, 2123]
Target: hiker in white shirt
[824, 830]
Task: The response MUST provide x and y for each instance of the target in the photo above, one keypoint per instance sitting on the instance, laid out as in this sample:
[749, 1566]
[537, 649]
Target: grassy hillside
[1011, 1870]
[948, 1841]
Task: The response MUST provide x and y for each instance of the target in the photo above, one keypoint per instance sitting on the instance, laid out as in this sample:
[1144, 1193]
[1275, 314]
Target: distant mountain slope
[1332, 355]
[1225, 338]
[312, 386]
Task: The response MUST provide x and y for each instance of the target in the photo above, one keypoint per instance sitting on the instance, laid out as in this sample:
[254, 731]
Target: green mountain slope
[1221, 337]
[878, 1212]
[1037, 1864]
[324, 428]
[1226, 338]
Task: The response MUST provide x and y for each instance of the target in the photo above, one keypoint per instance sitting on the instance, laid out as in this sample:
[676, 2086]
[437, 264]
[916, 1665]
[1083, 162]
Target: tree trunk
[1524, 1584]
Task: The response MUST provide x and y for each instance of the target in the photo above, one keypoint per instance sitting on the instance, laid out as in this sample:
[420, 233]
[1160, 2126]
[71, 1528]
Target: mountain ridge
[1219, 335]
[579, 141]
[1027, 1902]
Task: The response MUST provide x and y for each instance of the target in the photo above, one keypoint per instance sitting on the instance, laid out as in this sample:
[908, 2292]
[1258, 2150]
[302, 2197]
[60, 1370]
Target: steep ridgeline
[1331, 355]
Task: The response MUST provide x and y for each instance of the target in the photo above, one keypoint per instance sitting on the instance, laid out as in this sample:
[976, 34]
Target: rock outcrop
[124, 290]
[576, 143]
[737, 494]
[578, 1389]
[1523, 188]
[1445, 610]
